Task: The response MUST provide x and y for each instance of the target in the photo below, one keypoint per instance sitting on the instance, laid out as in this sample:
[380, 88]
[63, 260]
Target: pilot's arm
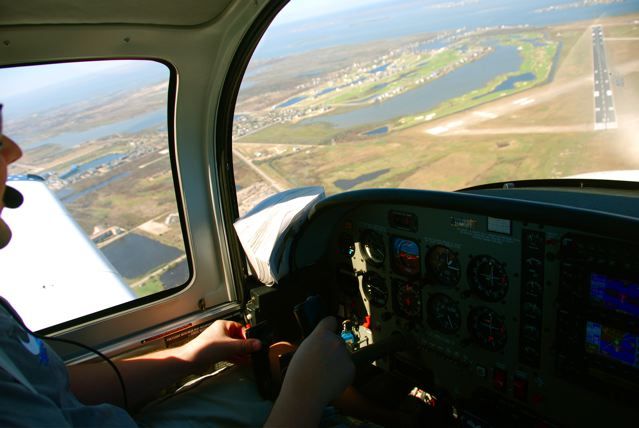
[146, 375]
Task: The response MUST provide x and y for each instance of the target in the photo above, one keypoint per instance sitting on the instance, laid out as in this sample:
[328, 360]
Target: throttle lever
[260, 360]
[309, 313]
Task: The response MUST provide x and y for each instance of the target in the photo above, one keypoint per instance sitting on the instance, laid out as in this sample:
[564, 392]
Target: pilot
[37, 389]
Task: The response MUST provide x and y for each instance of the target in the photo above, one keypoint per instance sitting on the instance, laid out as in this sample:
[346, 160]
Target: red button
[367, 321]
[499, 379]
[520, 389]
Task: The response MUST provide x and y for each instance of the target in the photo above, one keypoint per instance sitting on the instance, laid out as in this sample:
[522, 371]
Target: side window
[100, 224]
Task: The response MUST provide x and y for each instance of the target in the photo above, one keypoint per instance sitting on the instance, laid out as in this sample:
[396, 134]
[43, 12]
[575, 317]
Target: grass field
[449, 163]
[317, 133]
[128, 202]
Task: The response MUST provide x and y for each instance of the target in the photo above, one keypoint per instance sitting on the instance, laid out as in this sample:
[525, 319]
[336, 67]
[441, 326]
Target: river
[134, 124]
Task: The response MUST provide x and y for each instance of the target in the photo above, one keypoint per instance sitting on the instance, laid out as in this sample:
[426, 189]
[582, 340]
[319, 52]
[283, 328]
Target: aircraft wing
[71, 277]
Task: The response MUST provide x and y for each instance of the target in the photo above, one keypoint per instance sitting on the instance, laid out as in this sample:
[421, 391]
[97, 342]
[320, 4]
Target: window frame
[170, 125]
[224, 134]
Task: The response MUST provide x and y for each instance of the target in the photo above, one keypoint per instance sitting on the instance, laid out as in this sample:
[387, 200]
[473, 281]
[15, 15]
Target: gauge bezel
[398, 306]
[365, 247]
[399, 268]
[473, 316]
[434, 323]
[367, 278]
[478, 288]
[433, 272]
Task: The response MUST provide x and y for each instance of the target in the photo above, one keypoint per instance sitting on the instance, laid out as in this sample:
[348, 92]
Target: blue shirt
[48, 401]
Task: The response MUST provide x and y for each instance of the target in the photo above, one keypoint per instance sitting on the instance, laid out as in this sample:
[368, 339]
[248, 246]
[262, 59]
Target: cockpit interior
[505, 298]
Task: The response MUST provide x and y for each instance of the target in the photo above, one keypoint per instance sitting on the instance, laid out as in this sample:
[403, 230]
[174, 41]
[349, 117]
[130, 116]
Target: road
[605, 115]
[277, 186]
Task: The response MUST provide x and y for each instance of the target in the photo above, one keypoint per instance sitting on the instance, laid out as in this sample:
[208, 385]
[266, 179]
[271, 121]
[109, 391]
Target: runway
[605, 114]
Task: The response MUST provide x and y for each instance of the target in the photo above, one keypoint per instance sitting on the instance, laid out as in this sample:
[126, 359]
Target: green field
[449, 163]
[317, 133]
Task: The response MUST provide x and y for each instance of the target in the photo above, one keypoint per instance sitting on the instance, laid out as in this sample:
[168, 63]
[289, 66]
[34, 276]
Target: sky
[298, 10]
[22, 80]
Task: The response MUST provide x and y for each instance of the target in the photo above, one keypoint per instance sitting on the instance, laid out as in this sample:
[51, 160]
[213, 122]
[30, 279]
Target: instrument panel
[544, 318]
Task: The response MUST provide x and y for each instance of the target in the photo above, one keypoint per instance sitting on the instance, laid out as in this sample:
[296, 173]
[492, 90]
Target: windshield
[438, 95]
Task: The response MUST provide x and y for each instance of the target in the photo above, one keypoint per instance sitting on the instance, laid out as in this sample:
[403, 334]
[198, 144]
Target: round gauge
[487, 328]
[443, 313]
[443, 264]
[374, 248]
[405, 256]
[409, 300]
[488, 278]
[375, 289]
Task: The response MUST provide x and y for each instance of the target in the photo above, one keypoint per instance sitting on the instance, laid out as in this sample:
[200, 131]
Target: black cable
[19, 320]
[99, 354]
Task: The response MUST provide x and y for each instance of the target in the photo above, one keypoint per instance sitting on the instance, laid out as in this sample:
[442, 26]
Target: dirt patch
[154, 228]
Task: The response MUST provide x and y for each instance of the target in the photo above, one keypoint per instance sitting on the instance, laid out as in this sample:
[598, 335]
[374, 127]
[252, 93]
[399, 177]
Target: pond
[510, 82]
[136, 255]
[378, 131]
[379, 69]
[176, 276]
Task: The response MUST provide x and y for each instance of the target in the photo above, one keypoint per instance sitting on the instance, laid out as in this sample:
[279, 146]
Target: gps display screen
[611, 343]
[621, 296]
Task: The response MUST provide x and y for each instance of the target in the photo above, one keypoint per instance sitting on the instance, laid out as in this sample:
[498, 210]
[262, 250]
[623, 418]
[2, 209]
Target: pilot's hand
[319, 372]
[221, 341]
[321, 366]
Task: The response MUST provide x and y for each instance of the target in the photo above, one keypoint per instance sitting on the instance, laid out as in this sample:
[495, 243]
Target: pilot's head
[9, 152]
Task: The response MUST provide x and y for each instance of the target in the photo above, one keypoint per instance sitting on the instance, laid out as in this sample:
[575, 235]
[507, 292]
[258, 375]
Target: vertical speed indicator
[443, 313]
[443, 264]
